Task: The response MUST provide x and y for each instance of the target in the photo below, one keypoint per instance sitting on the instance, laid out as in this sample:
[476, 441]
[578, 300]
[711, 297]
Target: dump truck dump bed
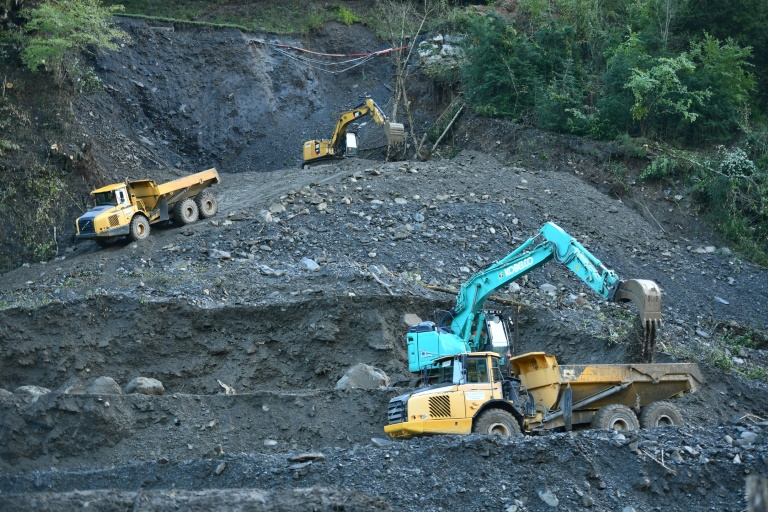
[597, 385]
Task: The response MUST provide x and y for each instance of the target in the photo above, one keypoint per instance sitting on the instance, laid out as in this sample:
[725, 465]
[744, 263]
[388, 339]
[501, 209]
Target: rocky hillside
[244, 324]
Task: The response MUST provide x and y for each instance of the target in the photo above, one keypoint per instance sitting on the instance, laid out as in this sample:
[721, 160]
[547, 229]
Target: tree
[661, 96]
[62, 29]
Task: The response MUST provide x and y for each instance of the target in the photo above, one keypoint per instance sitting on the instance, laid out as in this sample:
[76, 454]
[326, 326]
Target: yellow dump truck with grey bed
[469, 393]
[128, 209]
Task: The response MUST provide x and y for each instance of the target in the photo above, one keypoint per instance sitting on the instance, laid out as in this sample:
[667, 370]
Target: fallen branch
[447, 128]
[661, 463]
[382, 283]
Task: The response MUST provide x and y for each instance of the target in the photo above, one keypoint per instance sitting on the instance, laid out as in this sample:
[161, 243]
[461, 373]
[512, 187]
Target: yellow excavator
[344, 143]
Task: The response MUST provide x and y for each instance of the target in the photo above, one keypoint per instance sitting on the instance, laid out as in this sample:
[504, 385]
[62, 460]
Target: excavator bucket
[395, 133]
[647, 297]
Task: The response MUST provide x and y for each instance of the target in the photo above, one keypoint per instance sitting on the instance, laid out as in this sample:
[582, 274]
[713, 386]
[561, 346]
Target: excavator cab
[350, 144]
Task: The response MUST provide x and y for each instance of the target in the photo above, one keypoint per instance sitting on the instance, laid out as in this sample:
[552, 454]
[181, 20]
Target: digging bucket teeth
[395, 133]
[647, 297]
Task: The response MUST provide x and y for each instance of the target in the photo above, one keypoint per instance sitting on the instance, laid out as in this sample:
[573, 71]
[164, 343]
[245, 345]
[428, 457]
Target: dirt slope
[236, 301]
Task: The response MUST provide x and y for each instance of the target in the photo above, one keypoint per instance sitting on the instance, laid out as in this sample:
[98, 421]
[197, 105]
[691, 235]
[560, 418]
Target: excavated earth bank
[235, 301]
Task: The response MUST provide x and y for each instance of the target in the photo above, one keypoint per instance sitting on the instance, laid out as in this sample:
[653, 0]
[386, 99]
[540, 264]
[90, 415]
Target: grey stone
[310, 263]
[145, 386]
[362, 376]
[548, 497]
[31, 393]
[104, 386]
[409, 319]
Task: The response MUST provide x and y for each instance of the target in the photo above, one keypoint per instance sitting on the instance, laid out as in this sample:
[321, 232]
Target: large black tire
[106, 241]
[496, 422]
[207, 205]
[615, 417]
[139, 228]
[660, 414]
[185, 212]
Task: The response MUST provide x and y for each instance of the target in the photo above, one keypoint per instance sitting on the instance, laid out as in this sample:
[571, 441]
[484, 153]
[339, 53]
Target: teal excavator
[468, 327]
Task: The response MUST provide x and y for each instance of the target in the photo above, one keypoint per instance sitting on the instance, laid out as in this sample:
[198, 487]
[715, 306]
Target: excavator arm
[466, 332]
[339, 144]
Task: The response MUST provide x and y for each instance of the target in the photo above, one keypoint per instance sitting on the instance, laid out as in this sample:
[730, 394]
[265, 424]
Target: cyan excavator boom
[468, 332]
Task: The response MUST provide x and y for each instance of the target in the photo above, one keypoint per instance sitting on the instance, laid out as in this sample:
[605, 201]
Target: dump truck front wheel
[496, 422]
[207, 205]
[660, 414]
[615, 417]
[139, 228]
[185, 212]
[106, 241]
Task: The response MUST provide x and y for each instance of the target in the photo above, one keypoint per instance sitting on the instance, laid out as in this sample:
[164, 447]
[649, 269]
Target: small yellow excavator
[344, 143]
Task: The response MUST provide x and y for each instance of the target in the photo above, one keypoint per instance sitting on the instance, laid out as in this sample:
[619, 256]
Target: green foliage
[659, 169]
[661, 96]
[346, 16]
[62, 29]
[735, 192]
[721, 70]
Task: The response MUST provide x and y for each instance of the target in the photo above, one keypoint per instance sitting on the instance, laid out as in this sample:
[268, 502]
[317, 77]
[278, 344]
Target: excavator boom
[467, 330]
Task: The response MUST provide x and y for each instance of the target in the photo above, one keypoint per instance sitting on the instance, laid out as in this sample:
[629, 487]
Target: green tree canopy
[61, 30]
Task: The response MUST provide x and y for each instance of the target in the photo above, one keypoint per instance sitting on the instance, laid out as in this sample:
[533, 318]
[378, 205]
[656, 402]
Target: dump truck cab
[459, 388]
[110, 217]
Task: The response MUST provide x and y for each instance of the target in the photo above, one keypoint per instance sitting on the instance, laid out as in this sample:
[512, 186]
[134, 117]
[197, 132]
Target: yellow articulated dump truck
[128, 209]
[469, 393]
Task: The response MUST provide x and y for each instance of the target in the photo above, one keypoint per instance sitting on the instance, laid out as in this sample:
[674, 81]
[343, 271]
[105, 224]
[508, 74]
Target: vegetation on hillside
[690, 78]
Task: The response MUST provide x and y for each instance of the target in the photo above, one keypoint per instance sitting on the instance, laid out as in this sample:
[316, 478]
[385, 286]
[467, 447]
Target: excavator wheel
[139, 228]
[207, 205]
[496, 422]
[185, 212]
[615, 417]
[660, 414]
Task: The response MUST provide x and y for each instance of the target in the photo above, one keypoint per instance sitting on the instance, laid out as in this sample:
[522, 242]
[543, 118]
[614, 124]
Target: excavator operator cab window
[350, 144]
[477, 370]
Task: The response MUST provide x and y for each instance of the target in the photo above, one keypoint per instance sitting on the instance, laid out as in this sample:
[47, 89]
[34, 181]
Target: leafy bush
[62, 29]
[346, 16]
[659, 169]
[735, 191]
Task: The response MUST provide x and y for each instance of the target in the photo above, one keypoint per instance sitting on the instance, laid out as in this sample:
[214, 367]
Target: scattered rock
[145, 386]
[104, 386]
[362, 376]
[31, 393]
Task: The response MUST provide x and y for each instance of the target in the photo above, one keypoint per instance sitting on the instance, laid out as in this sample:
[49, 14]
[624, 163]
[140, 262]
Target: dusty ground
[229, 300]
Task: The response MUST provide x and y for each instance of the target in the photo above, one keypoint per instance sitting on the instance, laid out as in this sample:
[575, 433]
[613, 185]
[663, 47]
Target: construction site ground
[249, 319]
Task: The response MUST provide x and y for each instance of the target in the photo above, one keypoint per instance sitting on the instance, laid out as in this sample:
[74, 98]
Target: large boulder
[145, 386]
[104, 386]
[31, 393]
[362, 376]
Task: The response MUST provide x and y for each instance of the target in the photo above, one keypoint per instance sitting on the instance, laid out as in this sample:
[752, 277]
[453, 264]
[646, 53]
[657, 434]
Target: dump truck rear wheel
[615, 417]
[660, 414]
[185, 212]
[496, 422]
[207, 205]
[139, 228]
